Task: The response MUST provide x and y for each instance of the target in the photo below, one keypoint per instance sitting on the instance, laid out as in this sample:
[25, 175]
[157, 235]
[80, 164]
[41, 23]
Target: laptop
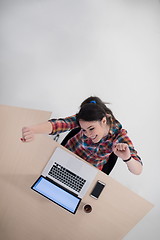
[65, 179]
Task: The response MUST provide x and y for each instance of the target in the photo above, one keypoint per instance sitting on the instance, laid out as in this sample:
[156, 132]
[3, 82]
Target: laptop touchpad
[76, 166]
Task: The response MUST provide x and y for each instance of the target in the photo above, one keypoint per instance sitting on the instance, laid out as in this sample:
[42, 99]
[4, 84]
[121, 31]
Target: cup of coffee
[87, 208]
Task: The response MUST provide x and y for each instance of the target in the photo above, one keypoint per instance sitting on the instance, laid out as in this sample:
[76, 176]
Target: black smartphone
[97, 189]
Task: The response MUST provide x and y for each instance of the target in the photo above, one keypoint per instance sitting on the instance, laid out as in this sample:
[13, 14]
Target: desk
[25, 215]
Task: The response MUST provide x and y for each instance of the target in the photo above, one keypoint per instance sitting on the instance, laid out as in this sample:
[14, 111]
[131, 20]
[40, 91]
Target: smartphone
[97, 189]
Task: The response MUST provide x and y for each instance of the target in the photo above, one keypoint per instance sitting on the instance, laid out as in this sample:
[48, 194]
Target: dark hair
[94, 109]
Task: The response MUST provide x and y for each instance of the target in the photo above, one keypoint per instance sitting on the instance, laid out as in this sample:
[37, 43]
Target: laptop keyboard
[67, 177]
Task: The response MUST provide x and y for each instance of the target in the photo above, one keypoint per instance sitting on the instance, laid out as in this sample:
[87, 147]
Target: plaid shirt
[95, 153]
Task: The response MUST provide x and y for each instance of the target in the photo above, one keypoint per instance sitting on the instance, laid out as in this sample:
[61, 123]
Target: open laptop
[65, 179]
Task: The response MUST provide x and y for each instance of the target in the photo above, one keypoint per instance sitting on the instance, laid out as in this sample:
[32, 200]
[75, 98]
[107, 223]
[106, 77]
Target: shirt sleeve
[63, 124]
[123, 138]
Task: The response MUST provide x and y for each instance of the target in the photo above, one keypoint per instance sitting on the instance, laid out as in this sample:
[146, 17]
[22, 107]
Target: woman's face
[95, 130]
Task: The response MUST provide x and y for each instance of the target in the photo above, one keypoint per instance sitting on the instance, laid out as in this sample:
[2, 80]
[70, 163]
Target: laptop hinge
[58, 185]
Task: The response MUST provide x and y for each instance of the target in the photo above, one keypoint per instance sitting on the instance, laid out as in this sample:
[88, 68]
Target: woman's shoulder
[115, 128]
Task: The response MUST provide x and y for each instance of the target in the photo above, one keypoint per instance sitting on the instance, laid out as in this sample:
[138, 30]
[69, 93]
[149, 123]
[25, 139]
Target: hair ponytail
[94, 109]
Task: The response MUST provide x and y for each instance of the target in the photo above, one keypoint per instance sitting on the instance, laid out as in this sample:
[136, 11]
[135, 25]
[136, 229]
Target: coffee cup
[87, 208]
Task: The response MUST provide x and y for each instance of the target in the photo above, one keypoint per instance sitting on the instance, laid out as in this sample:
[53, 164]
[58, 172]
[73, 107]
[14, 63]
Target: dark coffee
[87, 208]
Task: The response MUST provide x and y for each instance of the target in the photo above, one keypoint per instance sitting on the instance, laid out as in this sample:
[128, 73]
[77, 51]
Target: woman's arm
[53, 126]
[122, 150]
[134, 166]
[29, 132]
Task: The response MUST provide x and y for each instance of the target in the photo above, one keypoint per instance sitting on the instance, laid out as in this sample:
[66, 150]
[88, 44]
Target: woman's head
[94, 118]
[94, 109]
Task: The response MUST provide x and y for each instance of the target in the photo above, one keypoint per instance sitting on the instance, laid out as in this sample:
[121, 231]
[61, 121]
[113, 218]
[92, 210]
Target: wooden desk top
[25, 215]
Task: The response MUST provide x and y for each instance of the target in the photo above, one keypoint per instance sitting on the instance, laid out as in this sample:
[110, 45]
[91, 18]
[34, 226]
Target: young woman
[100, 135]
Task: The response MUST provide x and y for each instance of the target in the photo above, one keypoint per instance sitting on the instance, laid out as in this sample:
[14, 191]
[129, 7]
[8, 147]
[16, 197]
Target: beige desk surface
[25, 215]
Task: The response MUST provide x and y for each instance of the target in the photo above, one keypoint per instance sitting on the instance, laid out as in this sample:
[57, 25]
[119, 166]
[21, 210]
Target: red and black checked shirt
[95, 153]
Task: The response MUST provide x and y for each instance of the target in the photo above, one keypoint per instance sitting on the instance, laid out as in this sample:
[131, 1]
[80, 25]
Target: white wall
[56, 53]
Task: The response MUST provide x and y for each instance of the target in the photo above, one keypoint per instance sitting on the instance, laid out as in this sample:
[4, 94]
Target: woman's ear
[104, 120]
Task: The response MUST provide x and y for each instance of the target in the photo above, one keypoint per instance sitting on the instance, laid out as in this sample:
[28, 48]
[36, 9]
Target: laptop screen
[56, 194]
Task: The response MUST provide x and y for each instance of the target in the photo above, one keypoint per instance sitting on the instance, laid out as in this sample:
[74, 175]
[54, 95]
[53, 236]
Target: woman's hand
[122, 150]
[27, 134]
